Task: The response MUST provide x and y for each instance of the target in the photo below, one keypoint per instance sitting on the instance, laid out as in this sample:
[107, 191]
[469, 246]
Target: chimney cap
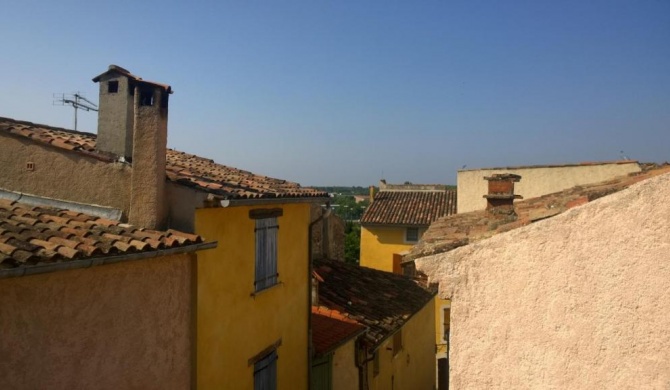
[503, 177]
[115, 69]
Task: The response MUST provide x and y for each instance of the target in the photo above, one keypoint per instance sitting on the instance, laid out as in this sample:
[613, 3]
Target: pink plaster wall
[117, 326]
[578, 301]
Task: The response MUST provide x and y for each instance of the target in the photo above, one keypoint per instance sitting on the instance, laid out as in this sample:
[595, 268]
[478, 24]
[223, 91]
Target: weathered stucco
[62, 175]
[578, 301]
[345, 372]
[117, 326]
[147, 194]
[536, 181]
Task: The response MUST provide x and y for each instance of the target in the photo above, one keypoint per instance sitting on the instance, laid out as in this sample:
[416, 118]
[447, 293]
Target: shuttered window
[265, 372]
[266, 253]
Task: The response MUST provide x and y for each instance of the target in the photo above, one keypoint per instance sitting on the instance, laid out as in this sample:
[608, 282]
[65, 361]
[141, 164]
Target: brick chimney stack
[500, 199]
[132, 124]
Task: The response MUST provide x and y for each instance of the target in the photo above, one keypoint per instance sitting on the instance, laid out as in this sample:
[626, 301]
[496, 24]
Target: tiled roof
[409, 207]
[186, 169]
[454, 231]
[330, 329]
[31, 235]
[380, 300]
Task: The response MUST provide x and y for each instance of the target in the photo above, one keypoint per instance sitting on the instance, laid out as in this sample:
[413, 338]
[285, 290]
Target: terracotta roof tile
[25, 240]
[182, 168]
[409, 207]
[451, 232]
[331, 329]
[380, 300]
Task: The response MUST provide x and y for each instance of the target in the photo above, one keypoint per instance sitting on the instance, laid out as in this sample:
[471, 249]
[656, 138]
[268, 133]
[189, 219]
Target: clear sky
[347, 92]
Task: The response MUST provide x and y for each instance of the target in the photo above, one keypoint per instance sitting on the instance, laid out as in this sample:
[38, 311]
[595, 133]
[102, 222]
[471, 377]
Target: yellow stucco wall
[345, 372]
[413, 368]
[378, 244]
[440, 341]
[233, 326]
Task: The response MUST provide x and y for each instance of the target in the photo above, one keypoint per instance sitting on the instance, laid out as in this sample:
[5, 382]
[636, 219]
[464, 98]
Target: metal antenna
[75, 100]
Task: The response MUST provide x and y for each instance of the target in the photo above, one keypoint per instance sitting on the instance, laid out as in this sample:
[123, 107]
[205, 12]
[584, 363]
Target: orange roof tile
[31, 235]
[418, 208]
[182, 168]
[331, 329]
[451, 232]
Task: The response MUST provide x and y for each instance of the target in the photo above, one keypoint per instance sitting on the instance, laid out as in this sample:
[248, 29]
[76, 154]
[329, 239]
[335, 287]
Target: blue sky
[345, 92]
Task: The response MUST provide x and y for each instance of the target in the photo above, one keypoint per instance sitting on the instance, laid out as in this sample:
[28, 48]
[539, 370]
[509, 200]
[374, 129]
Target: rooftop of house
[382, 301]
[185, 169]
[586, 163]
[413, 208]
[331, 329]
[33, 237]
[448, 233]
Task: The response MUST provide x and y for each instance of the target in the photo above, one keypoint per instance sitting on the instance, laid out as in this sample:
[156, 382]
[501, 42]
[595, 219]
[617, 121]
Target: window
[146, 97]
[412, 234]
[447, 321]
[113, 86]
[265, 372]
[397, 342]
[266, 253]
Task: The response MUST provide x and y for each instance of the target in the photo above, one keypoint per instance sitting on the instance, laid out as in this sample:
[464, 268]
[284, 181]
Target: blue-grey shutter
[265, 372]
[266, 253]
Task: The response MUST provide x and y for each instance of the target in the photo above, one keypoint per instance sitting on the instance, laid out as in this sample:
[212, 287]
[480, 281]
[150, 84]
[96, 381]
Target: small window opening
[412, 235]
[146, 98]
[113, 86]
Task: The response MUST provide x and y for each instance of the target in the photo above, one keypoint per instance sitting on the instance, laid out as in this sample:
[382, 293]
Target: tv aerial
[75, 100]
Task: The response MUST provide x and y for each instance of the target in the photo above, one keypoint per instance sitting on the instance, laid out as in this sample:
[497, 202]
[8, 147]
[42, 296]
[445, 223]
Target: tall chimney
[132, 123]
[500, 199]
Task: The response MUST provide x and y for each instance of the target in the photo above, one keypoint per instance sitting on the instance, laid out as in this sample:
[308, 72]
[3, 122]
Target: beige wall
[536, 181]
[345, 372]
[413, 368]
[578, 301]
[62, 175]
[117, 326]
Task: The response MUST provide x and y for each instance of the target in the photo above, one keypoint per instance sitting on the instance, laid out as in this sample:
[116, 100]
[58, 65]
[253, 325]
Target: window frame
[265, 371]
[407, 237]
[266, 253]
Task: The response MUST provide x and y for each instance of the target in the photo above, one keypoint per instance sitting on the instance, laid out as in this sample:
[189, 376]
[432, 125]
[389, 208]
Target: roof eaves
[90, 262]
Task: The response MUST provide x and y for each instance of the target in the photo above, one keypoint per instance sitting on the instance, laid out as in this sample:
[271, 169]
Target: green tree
[352, 242]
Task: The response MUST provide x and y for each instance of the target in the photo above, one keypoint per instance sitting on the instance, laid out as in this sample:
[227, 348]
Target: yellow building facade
[380, 243]
[236, 324]
[411, 364]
